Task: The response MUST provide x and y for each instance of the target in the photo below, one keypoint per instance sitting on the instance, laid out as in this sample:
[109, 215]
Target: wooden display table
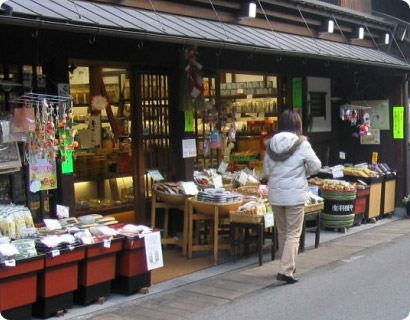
[132, 274]
[96, 271]
[388, 196]
[161, 200]
[375, 197]
[58, 281]
[198, 210]
[18, 286]
[312, 213]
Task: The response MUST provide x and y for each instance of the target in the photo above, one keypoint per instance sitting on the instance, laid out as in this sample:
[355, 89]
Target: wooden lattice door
[155, 123]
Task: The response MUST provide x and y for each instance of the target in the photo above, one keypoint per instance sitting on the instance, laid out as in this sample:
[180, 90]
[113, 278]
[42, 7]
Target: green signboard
[297, 93]
[398, 122]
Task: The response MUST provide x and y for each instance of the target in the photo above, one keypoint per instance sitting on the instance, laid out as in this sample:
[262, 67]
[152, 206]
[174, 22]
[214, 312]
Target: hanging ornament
[194, 73]
[99, 103]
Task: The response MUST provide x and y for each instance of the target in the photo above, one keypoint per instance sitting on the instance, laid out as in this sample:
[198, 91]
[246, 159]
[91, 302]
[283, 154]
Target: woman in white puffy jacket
[288, 160]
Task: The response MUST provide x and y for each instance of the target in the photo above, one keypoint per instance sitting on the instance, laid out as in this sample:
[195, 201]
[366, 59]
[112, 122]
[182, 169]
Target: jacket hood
[283, 145]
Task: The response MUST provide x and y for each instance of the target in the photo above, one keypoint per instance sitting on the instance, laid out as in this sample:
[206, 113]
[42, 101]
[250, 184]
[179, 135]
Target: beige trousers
[289, 224]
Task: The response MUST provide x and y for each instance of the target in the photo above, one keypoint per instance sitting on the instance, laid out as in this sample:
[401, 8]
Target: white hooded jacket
[289, 159]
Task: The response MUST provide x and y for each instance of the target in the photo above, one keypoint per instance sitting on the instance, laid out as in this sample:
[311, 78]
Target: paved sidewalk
[184, 299]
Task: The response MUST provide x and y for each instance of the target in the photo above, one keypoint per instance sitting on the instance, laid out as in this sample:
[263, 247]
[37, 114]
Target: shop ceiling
[121, 21]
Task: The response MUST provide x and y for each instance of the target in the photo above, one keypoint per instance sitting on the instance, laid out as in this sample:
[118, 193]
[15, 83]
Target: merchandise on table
[14, 219]
[218, 196]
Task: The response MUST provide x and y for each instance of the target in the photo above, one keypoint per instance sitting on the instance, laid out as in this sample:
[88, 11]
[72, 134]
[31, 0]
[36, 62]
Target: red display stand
[97, 271]
[132, 274]
[58, 281]
[361, 205]
[18, 287]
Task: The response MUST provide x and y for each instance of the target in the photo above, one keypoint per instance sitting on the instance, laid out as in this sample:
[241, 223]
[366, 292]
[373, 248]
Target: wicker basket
[176, 199]
[209, 207]
[237, 217]
[338, 194]
[314, 207]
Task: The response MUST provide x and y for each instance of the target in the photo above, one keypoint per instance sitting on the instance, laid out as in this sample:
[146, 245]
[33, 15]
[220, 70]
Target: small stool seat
[258, 239]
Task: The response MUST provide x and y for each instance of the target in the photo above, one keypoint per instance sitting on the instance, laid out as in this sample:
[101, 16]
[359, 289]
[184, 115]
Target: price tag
[190, 188]
[222, 167]
[338, 173]
[107, 243]
[62, 211]
[217, 182]
[268, 217]
[71, 248]
[342, 155]
[375, 156]
[249, 96]
[55, 253]
[239, 91]
[156, 175]
[243, 178]
[10, 263]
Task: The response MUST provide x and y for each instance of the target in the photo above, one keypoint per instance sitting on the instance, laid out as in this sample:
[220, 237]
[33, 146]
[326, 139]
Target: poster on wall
[43, 175]
[188, 148]
[379, 113]
[372, 138]
[398, 122]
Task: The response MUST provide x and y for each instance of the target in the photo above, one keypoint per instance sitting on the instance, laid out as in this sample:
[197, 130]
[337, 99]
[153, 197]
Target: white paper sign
[243, 178]
[268, 217]
[217, 180]
[62, 211]
[153, 250]
[188, 148]
[190, 188]
[156, 175]
[10, 263]
[342, 155]
[52, 224]
[222, 167]
[338, 174]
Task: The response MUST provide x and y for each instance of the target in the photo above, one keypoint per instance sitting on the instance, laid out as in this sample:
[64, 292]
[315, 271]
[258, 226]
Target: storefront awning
[121, 21]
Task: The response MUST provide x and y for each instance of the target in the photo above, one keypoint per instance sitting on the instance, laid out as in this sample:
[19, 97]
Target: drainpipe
[406, 172]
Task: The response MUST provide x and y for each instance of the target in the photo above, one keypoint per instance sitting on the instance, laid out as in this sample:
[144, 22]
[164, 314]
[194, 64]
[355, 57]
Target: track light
[358, 34]
[328, 26]
[248, 10]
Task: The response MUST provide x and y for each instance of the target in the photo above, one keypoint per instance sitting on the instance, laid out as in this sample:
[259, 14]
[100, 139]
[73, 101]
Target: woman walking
[289, 159]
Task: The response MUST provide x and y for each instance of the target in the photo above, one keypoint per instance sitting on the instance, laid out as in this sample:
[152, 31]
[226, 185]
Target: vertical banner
[398, 122]
[189, 121]
[297, 93]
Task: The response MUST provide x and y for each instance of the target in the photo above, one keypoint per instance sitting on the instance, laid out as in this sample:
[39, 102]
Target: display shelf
[132, 273]
[97, 271]
[106, 210]
[18, 287]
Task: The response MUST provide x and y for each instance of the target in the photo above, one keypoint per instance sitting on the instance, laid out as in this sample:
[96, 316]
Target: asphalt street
[373, 284]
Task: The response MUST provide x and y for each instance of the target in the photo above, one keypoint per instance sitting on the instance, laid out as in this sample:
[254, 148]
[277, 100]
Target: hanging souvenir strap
[194, 73]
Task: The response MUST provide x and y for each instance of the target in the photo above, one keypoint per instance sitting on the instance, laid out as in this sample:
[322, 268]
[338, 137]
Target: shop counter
[18, 285]
[97, 271]
[132, 273]
[58, 281]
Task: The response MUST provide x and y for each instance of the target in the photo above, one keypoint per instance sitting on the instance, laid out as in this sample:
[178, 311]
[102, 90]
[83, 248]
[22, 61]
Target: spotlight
[248, 10]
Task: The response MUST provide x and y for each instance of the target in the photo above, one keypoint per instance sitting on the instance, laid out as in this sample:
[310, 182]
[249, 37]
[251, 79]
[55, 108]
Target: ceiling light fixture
[328, 26]
[248, 10]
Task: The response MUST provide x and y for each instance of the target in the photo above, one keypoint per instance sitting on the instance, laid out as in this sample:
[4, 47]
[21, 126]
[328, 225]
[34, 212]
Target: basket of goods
[251, 212]
[256, 190]
[170, 192]
[208, 200]
[314, 203]
[204, 179]
[338, 190]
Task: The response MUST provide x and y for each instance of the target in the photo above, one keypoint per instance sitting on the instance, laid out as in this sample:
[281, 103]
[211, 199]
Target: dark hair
[290, 121]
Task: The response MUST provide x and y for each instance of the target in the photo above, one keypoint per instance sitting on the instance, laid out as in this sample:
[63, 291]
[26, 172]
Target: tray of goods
[206, 201]
[314, 207]
[170, 192]
[338, 190]
[252, 212]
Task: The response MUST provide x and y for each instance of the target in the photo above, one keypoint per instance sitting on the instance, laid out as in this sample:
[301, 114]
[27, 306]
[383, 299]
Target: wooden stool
[166, 239]
[211, 212]
[247, 239]
[310, 216]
